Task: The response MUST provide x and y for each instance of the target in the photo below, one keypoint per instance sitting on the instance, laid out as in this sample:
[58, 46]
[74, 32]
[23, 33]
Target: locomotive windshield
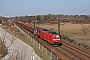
[56, 36]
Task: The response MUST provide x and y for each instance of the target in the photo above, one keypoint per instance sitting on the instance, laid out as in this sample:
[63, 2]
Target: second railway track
[74, 52]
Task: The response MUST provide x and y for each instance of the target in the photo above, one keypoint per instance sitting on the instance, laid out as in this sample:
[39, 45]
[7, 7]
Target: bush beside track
[3, 49]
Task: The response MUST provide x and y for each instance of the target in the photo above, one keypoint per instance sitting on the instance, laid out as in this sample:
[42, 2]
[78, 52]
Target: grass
[14, 31]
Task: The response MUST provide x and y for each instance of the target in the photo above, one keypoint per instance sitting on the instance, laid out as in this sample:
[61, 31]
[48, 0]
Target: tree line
[52, 18]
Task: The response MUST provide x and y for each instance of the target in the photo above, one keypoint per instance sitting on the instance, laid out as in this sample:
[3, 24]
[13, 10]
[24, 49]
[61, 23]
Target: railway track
[67, 53]
[60, 54]
[73, 52]
[70, 52]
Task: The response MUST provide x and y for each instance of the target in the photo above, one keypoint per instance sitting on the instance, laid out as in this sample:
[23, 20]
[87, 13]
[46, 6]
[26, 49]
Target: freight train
[53, 38]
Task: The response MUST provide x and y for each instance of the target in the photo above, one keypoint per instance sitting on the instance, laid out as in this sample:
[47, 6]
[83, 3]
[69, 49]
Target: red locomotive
[51, 37]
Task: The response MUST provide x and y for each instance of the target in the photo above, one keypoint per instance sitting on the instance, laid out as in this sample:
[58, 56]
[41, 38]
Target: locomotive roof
[48, 31]
[53, 32]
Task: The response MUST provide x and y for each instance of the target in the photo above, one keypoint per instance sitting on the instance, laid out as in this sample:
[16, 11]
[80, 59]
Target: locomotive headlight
[55, 39]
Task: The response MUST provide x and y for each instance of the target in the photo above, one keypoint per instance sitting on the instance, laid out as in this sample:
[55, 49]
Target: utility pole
[58, 19]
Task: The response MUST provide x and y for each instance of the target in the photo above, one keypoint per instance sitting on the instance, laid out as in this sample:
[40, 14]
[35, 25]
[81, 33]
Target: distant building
[7, 16]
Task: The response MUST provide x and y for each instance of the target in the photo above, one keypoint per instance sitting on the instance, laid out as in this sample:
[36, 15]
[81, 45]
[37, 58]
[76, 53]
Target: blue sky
[36, 7]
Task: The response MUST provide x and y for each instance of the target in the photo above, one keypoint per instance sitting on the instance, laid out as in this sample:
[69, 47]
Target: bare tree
[3, 48]
[85, 29]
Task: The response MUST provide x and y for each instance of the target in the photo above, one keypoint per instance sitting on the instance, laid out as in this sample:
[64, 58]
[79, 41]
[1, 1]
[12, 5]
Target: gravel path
[26, 52]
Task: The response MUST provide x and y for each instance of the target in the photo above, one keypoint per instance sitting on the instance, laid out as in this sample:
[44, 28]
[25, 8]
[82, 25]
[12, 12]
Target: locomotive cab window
[56, 36]
[54, 32]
